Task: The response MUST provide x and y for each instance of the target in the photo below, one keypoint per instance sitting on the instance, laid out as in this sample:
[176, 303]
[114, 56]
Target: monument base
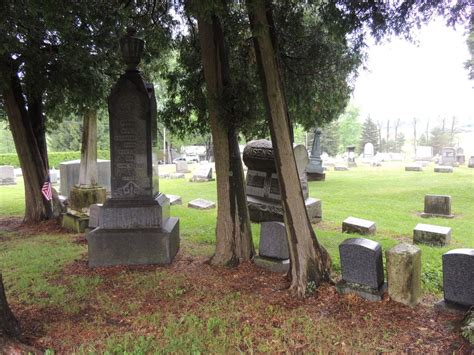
[316, 176]
[81, 197]
[136, 246]
[429, 215]
[272, 264]
[266, 211]
[370, 294]
[75, 222]
[446, 306]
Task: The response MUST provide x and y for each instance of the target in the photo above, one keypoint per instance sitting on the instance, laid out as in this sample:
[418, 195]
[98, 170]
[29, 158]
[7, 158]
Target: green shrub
[55, 158]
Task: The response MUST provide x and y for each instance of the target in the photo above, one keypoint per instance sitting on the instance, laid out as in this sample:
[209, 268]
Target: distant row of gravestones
[363, 272]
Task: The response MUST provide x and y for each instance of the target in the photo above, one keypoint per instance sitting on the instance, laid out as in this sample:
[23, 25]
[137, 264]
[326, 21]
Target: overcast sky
[425, 79]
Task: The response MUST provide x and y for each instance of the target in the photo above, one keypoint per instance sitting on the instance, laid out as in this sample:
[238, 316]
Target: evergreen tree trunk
[25, 125]
[233, 233]
[309, 260]
[9, 326]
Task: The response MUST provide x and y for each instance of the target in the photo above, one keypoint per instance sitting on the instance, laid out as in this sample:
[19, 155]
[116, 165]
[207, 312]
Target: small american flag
[46, 190]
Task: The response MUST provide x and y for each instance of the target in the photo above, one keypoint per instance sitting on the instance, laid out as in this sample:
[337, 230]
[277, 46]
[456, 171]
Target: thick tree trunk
[9, 326]
[88, 167]
[233, 233]
[31, 151]
[309, 260]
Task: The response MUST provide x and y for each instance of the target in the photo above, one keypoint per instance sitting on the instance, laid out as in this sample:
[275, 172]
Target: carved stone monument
[134, 226]
[448, 157]
[263, 189]
[315, 170]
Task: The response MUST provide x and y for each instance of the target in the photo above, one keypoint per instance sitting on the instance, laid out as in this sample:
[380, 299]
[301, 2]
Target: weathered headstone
[443, 169]
[368, 150]
[458, 277]
[437, 206]
[448, 157]
[69, 175]
[7, 175]
[262, 184]
[404, 273]
[471, 162]
[362, 268]
[315, 170]
[414, 167]
[431, 235]
[460, 157]
[134, 227]
[201, 204]
[273, 251]
[181, 166]
[358, 226]
[203, 173]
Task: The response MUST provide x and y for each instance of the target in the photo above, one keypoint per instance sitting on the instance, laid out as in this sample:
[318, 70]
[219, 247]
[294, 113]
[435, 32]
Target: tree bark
[310, 262]
[9, 326]
[233, 232]
[88, 166]
[31, 150]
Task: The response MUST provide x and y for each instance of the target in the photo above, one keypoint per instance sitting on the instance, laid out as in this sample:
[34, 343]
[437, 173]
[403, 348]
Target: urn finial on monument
[132, 49]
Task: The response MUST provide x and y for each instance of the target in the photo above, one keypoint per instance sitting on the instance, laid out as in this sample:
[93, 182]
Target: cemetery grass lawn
[193, 307]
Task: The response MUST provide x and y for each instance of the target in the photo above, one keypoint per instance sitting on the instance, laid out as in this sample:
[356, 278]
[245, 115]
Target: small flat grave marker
[176, 176]
[413, 167]
[358, 226]
[201, 204]
[431, 234]
[175, 199]
[341, 168]
[443, 169]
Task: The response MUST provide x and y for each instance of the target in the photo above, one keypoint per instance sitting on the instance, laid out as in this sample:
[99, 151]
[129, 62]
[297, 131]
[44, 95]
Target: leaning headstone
[203, 173]
[362, 268]
[273, 251]
[262, 184]
[134, 227]
[470, 164]
[315, 170]
[181, 166]
[7, 175]
[174, 199]
[358, 226]
[458, 278]
[414, 167]
[201, 204]
[431, 235]
[437, 206]
[443, 169]
[404, 273]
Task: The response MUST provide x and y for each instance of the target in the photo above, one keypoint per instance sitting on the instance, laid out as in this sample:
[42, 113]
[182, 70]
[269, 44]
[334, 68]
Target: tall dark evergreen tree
[330, 138]
[370, 134]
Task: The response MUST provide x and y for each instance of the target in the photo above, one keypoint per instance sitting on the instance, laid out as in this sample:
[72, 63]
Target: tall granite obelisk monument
[134, 227]
[315, 170]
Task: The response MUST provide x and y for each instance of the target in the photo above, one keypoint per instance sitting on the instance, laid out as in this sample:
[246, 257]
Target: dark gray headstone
[437, 206]
[458, 276]
[431, 234]
[273, 242]
[361, 262]
[358, 226]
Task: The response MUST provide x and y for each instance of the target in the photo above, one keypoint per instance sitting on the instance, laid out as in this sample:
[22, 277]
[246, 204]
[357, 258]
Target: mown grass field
[140, 311]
